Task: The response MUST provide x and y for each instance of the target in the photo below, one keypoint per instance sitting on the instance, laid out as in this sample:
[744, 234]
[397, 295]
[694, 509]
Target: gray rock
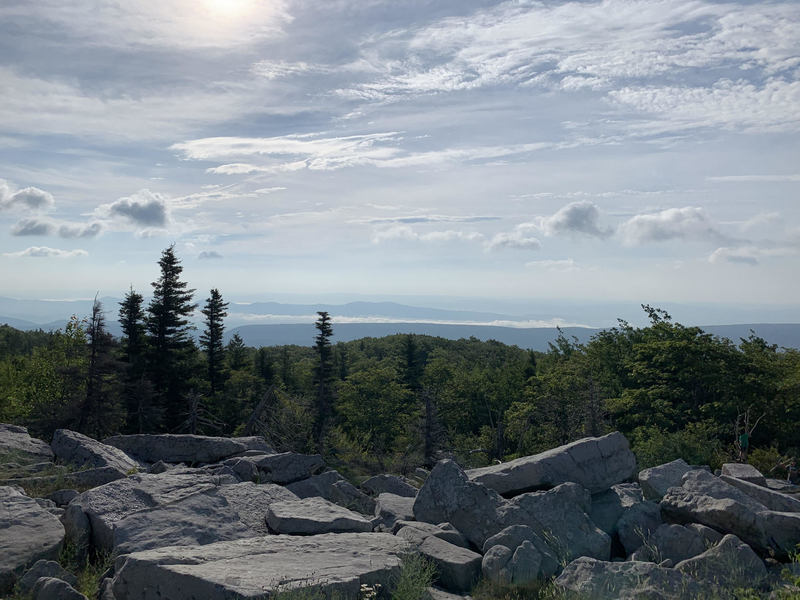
[17, 445]
[709, 536]
[44, 568]
[637, 524]
[244, 469]
[729, 564]
[78, 530]
[457, 568]
[670, 542]
[594, 579]
[45, 503]
[391, 508]
[494, 565]
[311, 516]
[29, 533]
[71, 447]
[255, 567]
[107, 589]
[448, 495]
[744, 472]
[526, 564]
[250, 501]
[63, 497]
[559, 516]
[781, 485]
[594, 463]
[609, 506]
[514, 536]
[763, 495]
[51, 588]
[255, 443]
[287, 467]
[159, 467]
[85, 479]
[175, 448]
[655, 481]
[393, 484]
[417, 531]
[332, 486]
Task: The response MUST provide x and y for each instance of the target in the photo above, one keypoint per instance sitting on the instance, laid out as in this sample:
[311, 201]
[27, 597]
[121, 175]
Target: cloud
[45, 252]
[564, 265]
[269, 190]
[36, 226]
[575, 218]
[404, 232]
[79, 230]
[755, 178]
[144, 208]
[426, 219]
[519, 239]
[687, 223]
[209, 255]
[750, 255]
[30, 197]
[27, 227]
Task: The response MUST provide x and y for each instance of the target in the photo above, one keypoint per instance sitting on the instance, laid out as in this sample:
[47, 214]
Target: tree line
[402, 401]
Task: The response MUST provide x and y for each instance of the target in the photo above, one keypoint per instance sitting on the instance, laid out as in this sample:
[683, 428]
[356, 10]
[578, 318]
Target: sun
[229, 8]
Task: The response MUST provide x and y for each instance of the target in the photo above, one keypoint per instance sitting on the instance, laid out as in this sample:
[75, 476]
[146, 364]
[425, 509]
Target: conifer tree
[323, 376]
[215, 310]
[237, 353]
[142, 416]
[170, 339]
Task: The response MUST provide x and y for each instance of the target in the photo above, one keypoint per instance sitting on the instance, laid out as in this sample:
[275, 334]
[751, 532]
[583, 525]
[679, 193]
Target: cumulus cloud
[27, 227]
[576, 218]
[519, 239]
[144, 208]
[30, 197]
[687, 223]
[45, 252]
[79, 230]
[209, 255]
[36, 226]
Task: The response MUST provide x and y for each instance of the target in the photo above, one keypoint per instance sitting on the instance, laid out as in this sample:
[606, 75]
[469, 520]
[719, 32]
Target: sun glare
[229, 8]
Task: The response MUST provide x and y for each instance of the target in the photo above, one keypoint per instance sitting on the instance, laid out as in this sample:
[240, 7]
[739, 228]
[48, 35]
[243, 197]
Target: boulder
[255, 443]
[610, 505]
[525, 565]
[390, 508]
[174, 448]
[730, 564]
[637, 524]
[744, 472]
[261, 566]
[17, 446]
[494, 566]
[763, 495]
[287, 467]
[73, 448]
[332, 486]
[311, 516]
[593, 579]
[29, 533]
[85, 479]
[44, 568]
[594, 463]
[670, 542]
[50, 588]
[63, 497]
[449, 496]
[655, 481]
[78, 530]
[416, 531]
[559, 516]
[393, 484]
[710, 536]
[250, 501]
[457, 568]
[514, 536]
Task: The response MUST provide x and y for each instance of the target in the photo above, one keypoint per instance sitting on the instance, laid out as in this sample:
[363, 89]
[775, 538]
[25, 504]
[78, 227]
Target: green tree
[237, 353]
[142, 415]
[323, 376]
[171, 344]
[215, 310]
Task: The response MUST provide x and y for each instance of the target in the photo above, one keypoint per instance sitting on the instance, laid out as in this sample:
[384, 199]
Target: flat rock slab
[457, 568]
[655, 481]
[256, 567]
[71, 447]
[595, 463]
[394, 484]
[16, 445]
[288, 467]
[174, 448]
[28, 533]
[251, 500]
[770, 498]
[744, 472]
[311, 516]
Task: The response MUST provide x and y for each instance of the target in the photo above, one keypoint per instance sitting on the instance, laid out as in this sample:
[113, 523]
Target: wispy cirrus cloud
[407, 233]
[46, 252]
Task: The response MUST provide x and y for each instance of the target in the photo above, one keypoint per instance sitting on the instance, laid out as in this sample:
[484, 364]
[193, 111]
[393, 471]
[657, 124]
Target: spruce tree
[323, 376]
[142, 415]
[237, 353]
[215, 310]
[171, 344]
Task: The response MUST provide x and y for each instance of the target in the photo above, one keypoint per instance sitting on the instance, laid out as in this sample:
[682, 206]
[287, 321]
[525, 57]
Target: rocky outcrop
[335, 488]
[17, 446]
[310, 516]
[763, 495]
[594, 463]
[44, 568]
[29, 533]
[670, 542]
[393, 484]
[287, 467]
[172, 448]
[637, 524]
[259, 566]
[51, 588]
[729, 565]
[744, 472]
[73, 448]
[457, 568]
[609, 506]
[390, 508]
[655, 481]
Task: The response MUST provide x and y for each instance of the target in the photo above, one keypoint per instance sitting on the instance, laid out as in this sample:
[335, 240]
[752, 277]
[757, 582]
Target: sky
[616, 150]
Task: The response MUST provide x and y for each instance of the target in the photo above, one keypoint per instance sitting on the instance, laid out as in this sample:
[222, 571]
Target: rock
[63, 497]
[781, 485]
[29, 533]
[44, 568]
[637, 524]
[609, 506]
[655, 481]
[763, 495]
[744, 472]
[393, 484]
[50, 588]
[260, 566]
[244, 469]
[73, 448]
[514, 536]
[78, 530]
[85, 479]
[255, 443]
[17, 445]
[494, 564]
[159, 467]
[416, 531]
[559, 516]
[593, 579]
[108, 504]
[525, 565]
[670, 542]
[45, 503]
[729, 564]
[311, 516]
[106, 589]
[437, 594]
[448, 495]
[332, 486]
[457, 568]
[391, 508]
[287, 467]
[250, 501]
[174, 448]
[594, 463]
